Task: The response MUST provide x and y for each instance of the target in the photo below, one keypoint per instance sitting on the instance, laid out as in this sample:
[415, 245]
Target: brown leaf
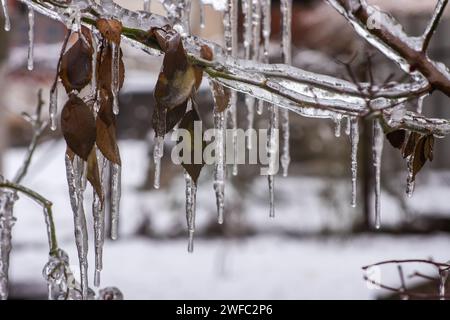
[188, 123]
[104, 69]
[221, 96]
[76, 66]
[419, 156]
[107, 142]
[110, 29]
[408, 148]
[78, 127]
[206, 52]
[428, 147]
[397, 138]
[173, 116]
[93, 173]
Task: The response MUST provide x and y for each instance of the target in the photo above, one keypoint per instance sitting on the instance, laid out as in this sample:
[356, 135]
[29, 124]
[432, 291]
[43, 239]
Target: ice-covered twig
[434, 22]
[38, 126]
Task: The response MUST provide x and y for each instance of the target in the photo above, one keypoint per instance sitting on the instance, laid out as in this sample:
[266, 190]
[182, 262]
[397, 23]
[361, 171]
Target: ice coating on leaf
[219, 165]
[30, 38]
[158, 153]
[377, 148]
[286, 43]
[7, 221]
[116, 182]
[115, 73]
[76, 179]
[53, 107]
[6, 15]
[354, 140]
[191, 196]
[94, 84]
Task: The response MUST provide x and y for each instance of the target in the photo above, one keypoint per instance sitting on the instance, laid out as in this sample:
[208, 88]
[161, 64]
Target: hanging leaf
[110, 29]
[397, 138]
[419, 156]
[221, 96]
[409, 147]
[173, 116]
[76, 66]
[78, 127]
[428, 148]
[188, 124]
[106, 130]
[93, 173]
[104, 68]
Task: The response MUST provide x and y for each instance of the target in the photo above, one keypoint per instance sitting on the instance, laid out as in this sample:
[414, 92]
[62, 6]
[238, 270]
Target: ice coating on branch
[6, 15]
[286, 43]
[76, 171]
[377, 149]
[7, 221]
[354, 140]
[116, 192]
[158, 153]
[219, 165]
[191, 197]
[115, 65]
[30, 38]
[53, 107]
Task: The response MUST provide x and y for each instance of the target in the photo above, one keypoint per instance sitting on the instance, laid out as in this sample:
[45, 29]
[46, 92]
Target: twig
[433, 24]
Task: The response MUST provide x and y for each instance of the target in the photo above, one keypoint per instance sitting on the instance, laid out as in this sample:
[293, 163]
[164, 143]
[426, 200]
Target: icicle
[202, 15]
[273, 144]
[53, 108]
[94, 69]
[191, 195]
[271, 179]
[338, 125]
[420, 101]
[7, 220]
[348, 127]
[410, 183]
[6, 15]
[98, 212]
[286, 11]
[220, 165]
[378, 139]
[115, 65]
[158, 153]
[147, 5]
[76, 176]
[30, 38]
[443, 275]
[354, 138]
[116, 182]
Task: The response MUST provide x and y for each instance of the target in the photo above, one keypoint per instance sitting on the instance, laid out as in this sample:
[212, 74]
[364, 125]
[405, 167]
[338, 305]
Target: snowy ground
[268, 266]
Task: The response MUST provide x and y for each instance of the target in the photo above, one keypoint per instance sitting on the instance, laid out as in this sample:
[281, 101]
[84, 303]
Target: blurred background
[317, 244]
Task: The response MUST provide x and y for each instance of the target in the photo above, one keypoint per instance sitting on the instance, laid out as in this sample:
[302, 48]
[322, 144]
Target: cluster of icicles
[257, 22]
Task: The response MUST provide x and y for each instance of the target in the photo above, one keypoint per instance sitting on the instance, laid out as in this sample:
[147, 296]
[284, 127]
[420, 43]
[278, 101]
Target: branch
[38, 129]
[46, 204]
[434, 23]
[305, 93]
[387, 35]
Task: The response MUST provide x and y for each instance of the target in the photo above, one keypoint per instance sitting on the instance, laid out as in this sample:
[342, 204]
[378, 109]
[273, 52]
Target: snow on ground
[267, 266]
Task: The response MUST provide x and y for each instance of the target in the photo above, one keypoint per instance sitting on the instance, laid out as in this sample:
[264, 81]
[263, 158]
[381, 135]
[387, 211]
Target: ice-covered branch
[387, 35]
[434, 22]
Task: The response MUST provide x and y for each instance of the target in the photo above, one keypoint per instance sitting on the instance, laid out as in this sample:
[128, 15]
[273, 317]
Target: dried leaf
[93, 173]
[104, 69]
[76, 66]
[78, 127]
[419, 156]
[110, 29]
[408, 148]
[221, 96]
[428, 147]
[397, 138]
[188, 123]
[206, 53]
[173, 116]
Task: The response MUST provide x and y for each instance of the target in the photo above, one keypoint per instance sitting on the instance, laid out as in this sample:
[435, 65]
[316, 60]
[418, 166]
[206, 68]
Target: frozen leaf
[428, 147]
[93, 173]
[187, 123]
[106, 130]
[409, 147]
[104, 71]
[76, 66]
[221, 96]
[419, 156]
[173, 116]
[397, 138]
[110, 29]
[78, 127]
